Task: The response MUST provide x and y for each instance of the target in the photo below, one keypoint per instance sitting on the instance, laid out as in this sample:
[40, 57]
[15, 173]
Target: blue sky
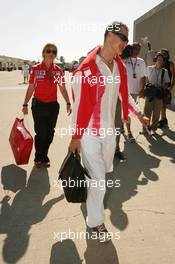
[74, 26]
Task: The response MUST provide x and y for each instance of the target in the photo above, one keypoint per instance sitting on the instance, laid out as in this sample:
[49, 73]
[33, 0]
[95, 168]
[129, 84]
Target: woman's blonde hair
[47, 46]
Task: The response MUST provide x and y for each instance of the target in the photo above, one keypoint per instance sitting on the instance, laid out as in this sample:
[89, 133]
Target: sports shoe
[163, 123]
[131, 139]
[46, 164]
[166, 122]
[38, 164]
[102, 233]
[150, 131]
[120, 155]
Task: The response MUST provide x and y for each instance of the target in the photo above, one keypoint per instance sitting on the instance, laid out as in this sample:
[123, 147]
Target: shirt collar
[44, 66]
[98, 58]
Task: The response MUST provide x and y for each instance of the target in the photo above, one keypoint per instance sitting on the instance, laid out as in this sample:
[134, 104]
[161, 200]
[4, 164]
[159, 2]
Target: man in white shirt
[25, 72]
[94, 110]
[150, 55]
[137, 72]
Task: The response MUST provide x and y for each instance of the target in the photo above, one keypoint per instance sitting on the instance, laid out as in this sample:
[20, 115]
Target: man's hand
[144, 120]
[75, 146]
[141, 94]
[25, 110]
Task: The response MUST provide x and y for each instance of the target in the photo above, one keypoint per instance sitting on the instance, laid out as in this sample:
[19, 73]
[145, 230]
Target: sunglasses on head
[53, 51]
[123, 37]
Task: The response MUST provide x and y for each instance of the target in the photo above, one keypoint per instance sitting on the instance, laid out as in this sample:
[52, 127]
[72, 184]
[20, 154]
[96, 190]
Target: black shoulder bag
[73, 179]
[151, 91]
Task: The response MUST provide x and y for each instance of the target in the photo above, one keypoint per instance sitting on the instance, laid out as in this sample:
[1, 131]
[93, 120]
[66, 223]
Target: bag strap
[86, 173]
[148, 82]
[162, 76]
[64, 162]
[26, 122]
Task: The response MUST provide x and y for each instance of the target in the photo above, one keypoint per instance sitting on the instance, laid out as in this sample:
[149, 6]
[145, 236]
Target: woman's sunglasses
[48, 51]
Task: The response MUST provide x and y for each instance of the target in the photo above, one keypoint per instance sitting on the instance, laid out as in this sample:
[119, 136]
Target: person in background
[169, 65]
[127, 52]
[45, 78]
[120, 129]
[158, 80]
[137, 72]
[150, 55]
[25, 71]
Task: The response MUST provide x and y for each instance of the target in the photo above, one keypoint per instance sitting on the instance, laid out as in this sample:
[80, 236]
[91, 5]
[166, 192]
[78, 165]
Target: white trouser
[97, 155]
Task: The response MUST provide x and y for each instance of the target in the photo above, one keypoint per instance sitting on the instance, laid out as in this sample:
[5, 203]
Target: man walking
[137, 72]
[25, 72]
[103, 77]
[150, 55]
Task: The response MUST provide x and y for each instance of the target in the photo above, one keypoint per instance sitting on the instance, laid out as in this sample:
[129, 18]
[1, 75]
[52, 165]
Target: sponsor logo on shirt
[40, 74]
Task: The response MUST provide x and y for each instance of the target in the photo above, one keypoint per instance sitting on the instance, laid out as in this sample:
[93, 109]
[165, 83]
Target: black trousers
[45, 118]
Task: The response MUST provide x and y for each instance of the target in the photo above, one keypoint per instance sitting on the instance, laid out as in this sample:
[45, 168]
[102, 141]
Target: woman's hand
[25, 110]
[141, 94]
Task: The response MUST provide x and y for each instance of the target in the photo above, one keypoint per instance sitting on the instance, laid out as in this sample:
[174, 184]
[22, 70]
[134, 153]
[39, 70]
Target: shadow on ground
[13, 178]
[161, 147]
[26, 209]
[64, 252]
[169, 133]
[97, 252]
[137, 170]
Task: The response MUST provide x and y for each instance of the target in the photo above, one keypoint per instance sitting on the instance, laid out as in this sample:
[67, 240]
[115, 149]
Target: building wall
[159, 26]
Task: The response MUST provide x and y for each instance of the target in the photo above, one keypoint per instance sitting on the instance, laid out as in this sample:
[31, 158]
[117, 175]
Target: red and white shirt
[46, 82]
[103, 115]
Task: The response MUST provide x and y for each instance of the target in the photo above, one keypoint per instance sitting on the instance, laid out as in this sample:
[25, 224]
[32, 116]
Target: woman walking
[45, 78]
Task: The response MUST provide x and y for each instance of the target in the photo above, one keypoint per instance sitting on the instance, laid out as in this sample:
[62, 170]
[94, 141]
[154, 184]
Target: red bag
[21, 142]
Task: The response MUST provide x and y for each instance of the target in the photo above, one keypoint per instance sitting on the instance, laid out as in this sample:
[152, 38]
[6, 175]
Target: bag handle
[77, 156]
[87, 173]
[24, 118]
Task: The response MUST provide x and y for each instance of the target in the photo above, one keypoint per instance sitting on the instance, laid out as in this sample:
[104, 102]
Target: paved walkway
[142, 209]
